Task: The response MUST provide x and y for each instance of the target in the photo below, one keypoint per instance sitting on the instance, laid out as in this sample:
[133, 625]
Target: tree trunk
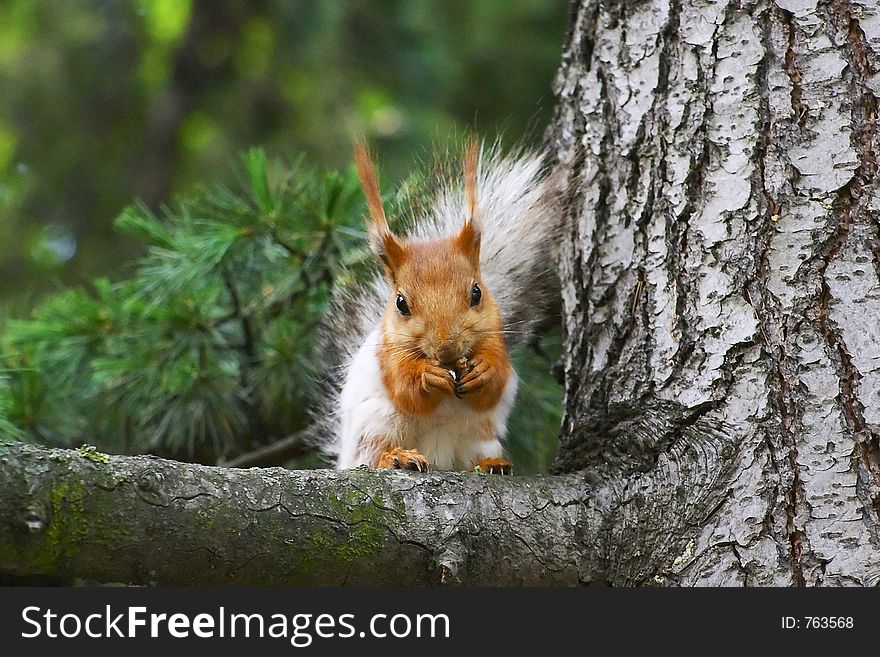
[721, 291]
[720, 284]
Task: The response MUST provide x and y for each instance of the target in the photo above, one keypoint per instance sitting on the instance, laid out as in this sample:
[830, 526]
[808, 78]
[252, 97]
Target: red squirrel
[428, 382]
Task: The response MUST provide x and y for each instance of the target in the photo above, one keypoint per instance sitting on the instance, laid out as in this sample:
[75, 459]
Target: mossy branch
[143, 520]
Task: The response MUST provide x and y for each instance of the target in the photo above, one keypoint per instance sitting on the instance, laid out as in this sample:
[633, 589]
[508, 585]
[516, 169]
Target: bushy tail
[518, 207]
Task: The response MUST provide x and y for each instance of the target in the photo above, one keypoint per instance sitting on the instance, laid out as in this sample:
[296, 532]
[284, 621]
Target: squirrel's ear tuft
[471, 163]
[468, 242]
[468, 239]
[383, 242]
[370, 185]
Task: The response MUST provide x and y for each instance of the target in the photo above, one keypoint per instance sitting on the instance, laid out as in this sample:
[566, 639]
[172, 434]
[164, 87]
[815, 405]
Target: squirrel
[423, 348]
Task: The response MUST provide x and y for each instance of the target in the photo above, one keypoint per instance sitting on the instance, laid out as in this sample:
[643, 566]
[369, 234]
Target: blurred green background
[106, 103]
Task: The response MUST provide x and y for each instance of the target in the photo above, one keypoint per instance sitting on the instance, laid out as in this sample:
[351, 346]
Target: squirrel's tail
[518, 207]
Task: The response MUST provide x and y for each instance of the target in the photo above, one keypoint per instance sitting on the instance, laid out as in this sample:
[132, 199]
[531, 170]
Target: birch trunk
[720, 286]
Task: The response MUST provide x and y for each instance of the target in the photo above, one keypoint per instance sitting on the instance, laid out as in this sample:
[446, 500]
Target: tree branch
[145, 520]
[276, 453]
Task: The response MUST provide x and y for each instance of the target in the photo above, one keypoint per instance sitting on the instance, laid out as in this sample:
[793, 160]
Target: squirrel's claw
[403, 459]
[408, 464]
[475, 378]
[495, 466]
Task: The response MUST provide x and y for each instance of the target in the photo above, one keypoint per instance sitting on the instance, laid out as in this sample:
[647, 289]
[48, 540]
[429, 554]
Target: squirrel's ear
[383, 242]
[389, 250]
[468, 239]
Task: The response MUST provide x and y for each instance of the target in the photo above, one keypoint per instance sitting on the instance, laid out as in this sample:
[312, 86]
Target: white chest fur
[452, 437]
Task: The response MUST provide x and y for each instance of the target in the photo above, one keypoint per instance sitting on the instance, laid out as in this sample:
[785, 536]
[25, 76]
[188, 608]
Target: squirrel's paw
[479, 374]
[495, 466]
[436, 378]
[403, 459]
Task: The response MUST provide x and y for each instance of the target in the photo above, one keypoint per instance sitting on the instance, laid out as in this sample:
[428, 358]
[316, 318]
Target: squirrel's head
[439, 308]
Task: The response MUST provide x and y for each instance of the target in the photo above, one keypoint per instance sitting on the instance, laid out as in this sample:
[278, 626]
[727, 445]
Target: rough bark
[722, 268]
[80, 514]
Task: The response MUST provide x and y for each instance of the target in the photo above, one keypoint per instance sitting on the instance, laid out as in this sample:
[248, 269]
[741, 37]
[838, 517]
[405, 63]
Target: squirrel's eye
[401, 305]
[476, 295]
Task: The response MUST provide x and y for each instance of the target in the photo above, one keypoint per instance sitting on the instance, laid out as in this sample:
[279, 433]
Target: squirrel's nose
[447, 352]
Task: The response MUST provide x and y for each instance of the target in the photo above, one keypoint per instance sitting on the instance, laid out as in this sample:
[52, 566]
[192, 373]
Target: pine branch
[247, 328]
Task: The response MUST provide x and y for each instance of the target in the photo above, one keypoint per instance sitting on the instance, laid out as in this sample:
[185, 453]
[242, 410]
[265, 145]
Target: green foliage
[8, 430]
[534, 423]
[105, 102]
[208, 347]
